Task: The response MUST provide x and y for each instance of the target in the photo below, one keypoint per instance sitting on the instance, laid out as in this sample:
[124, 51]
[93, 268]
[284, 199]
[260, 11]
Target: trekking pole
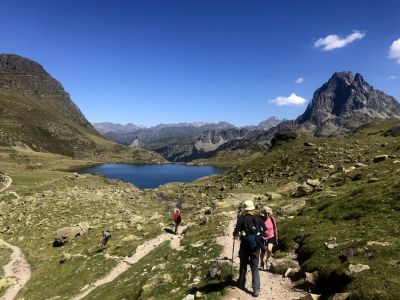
[233, 251]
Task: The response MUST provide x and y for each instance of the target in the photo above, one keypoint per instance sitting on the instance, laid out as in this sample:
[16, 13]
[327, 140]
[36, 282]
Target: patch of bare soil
[17, 268]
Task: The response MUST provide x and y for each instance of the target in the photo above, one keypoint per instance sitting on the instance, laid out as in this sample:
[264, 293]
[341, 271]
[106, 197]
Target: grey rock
[340, 296]
[357, 268]
[380, 158]
[311, 278]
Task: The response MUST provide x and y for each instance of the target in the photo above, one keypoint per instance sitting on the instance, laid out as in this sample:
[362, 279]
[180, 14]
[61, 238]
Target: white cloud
[334, 41]
[293, 99]
[392, 77]
[299, 80]
[394, 51]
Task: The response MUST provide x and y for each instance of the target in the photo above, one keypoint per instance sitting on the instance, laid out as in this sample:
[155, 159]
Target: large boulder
[67, 234]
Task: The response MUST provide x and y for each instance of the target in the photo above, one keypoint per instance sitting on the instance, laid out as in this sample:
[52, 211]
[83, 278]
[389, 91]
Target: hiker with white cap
[250, 230]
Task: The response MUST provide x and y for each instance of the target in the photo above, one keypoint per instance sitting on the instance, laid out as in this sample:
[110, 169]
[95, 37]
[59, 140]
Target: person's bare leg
[262, 263]
[269, 253]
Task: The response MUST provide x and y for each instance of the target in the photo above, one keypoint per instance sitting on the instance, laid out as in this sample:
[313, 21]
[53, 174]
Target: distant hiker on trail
[106, 237]
[177, 218]
[270, 237]
[250, 230]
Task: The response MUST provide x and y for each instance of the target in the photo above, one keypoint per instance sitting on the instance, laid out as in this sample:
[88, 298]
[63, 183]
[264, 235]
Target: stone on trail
[312, 278]
[189, 297]
[310, 297]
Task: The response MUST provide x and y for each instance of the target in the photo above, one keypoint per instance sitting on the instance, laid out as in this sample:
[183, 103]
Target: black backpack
[253, 238]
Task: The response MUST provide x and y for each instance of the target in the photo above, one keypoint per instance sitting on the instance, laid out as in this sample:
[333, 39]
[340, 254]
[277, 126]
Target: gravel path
[125, 264]
[17, 268]
[273, 287]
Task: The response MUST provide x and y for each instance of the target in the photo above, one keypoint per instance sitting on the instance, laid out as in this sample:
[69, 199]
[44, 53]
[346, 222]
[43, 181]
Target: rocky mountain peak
[345, 102]
[29, 78]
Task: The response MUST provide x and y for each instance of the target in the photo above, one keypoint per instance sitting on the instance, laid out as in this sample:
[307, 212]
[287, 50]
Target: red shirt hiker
[176, 217]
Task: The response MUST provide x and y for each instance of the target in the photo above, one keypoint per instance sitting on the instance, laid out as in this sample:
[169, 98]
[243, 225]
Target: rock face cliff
[28, 78]
[36, 112]
[344, 103]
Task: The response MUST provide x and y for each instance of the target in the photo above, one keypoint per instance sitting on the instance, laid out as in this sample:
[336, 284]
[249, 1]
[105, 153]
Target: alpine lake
[152, 176]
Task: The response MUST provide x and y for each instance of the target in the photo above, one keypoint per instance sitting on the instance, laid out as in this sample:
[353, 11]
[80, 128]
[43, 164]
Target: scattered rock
[313, 182]
[379, 158]
[347, 255]
[303, 190]
[310, 297]
[67, 234]
[331, 246]
[340, 296]
[377, 243]
[199, 295]
[157, 280]
[308, 144]
[273, 196]
[289, 187]
[361, 165]
[291, 272]
[311, 278]
[293, 207]
[120, 226]
[358, 268]
[130, 238]
[373, 179]
[189, 297]
[215, 269]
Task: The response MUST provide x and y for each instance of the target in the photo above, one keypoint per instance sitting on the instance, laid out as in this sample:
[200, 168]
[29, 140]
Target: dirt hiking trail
[126, 263]
[17, 268]
[273, 286]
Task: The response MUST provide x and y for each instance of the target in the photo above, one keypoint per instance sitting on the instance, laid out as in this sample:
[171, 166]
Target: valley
[336, 198]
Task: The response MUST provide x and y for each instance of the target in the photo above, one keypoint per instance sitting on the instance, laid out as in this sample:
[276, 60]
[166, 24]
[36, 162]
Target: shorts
[272, 241]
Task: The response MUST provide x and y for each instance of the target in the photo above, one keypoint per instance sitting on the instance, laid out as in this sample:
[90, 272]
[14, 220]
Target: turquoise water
[152, 176]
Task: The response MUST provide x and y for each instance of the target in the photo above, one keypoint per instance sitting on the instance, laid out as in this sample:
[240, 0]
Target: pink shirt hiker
[270, 228]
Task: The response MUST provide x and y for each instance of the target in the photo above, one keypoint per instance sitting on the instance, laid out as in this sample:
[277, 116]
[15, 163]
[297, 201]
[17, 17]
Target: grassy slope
[32, 121]
[353, 212]
[345, 209]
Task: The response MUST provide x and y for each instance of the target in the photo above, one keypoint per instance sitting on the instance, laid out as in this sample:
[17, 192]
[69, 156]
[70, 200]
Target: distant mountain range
[340, 105]
[36, 112]
[164, 135]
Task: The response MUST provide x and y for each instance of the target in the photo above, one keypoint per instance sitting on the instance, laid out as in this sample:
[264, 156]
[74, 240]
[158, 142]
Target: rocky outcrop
[67, 234]
[344, 103]
[29, 78]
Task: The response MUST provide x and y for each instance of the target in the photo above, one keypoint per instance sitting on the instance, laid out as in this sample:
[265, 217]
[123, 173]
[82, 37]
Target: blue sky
[169, 61]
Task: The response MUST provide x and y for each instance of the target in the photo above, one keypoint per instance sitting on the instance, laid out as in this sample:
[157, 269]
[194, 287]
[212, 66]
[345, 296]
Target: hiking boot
[241, 285]
[262, 267]
[256, 293]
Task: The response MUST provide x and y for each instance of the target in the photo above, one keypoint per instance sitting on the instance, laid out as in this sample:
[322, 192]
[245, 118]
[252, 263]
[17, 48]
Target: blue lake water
[152, 176]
